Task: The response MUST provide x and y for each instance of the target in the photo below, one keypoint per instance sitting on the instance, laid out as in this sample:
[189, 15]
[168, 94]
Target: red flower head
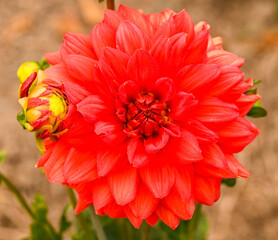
[160, 109]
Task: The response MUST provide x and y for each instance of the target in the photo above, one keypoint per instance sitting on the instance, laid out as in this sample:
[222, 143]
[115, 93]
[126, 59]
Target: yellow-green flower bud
[44, 106]
[26, 69]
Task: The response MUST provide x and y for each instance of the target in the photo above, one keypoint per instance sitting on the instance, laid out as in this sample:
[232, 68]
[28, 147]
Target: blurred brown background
[249, 28]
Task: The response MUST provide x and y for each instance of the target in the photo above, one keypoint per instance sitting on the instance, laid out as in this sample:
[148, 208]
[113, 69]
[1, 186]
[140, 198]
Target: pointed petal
[206, 190]
[107, 160]
[80, 167]
[159, 179]
[183, 23]
[136, 153]
[102, 36]
[212, 109]
[123, 185]
[101, 193]
[80, 206]
[54, 167]
[222, 57]
[93, 108]
[172, 129]
[53, 57]
[183, 209]
[80, 67]
[146, 75]
[242, 171]
[167, 216]
[152, 220]
[113, 64]
[129, 38]
[235, 136]
[202, 133]
[195, 77]
[113, 18]
[213, 155]
[181, 104]
[144, 204]
[245, 103]
[135, 221]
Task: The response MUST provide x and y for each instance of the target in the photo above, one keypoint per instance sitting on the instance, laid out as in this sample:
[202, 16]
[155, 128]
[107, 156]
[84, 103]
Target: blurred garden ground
[249, 28]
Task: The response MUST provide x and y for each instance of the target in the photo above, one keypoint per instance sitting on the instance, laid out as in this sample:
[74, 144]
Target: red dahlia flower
[160, 112]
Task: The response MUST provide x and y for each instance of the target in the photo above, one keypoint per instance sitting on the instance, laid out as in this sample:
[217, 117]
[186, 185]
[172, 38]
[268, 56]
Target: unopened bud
[26, 69]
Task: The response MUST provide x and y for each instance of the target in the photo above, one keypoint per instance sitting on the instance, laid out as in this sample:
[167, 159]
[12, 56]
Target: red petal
[164, 88]
[144, 204]
[145, 75]
[161, 51]
[24, 88]
[113, 65]
[123, 185]
[222, 57]
[229, 77]
[129, 38]
[167, 216]
[136, 153]
[235, 136]
[166, 29]
[159, 179]
[54, 167]
[183, 182]
[245, 103]
[156, 142]
[113, 210]
[102, 36]
[135, 221]
[193, 77]
[202, 133]
[183, 209]
[80, 67]
[78, 43]
[152, 220]
[101, 193]
[186, 148]
[242, 171]
[113, 18]
[206, 190]
[184, 23]
[53, 57]
[181, 104]
[214, 156]
[212, 109]
[197, 50]
[110, 132]
[172, 129]
[135, 17]
[80, 167]
[128, 92]
[80, 206]
[93, 108]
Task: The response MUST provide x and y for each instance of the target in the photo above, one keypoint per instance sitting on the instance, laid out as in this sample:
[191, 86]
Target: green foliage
[257, 112]
[65, 224]
[40, 229]
[80, 233]
[229, 182]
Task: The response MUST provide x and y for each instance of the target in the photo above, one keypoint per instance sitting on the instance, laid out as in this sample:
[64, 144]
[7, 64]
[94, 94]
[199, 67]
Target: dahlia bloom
[158, 110]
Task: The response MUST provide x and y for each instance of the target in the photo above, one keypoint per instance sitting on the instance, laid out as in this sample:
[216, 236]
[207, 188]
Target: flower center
[144, 115]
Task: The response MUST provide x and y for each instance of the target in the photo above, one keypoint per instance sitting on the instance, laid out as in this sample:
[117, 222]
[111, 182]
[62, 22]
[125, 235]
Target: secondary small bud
[26, 69]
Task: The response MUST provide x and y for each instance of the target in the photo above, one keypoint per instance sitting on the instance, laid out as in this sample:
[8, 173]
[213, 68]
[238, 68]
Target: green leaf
[256, 82]
[202, 229]
[64, 222]
[21, 119]
[257, 112]
[3, 156]
[230, 182]
[251, 91]
[44, 64]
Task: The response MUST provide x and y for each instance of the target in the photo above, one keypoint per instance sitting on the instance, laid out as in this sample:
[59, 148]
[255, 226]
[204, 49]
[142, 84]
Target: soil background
[249, 28]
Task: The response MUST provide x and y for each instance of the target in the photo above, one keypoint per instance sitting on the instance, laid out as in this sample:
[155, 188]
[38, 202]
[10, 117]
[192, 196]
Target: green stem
[145, 231]
[79, 217]
[18, 195]
[194, 222]
[110, 4]
[97, 225]
[23, 202]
